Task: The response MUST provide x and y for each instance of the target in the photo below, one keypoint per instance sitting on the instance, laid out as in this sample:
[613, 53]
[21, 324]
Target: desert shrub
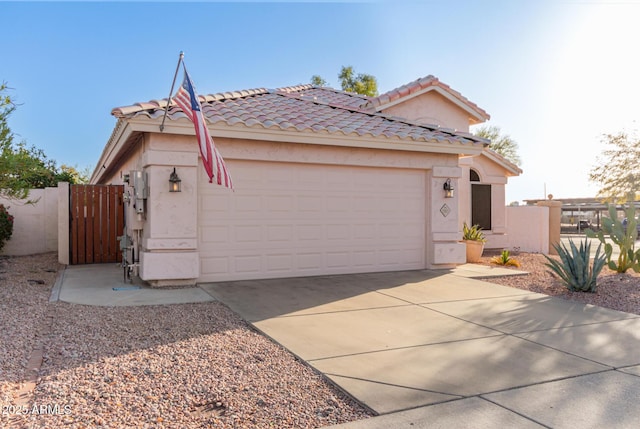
[505, 259]
[6, 225]
[574, 268]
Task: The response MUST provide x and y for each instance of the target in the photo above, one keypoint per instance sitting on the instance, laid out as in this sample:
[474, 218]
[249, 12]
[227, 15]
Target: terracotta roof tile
[324, 95]
[305, 108]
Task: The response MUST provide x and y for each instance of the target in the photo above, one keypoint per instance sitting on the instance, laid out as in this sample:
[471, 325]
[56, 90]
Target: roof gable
[421, 86]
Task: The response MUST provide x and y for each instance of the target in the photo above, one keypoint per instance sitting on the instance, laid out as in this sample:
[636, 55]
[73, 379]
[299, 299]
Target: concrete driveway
[434, 349]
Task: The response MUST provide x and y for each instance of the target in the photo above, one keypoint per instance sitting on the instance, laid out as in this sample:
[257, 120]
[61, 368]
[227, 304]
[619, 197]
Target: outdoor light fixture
[448, 189]
[174, 182]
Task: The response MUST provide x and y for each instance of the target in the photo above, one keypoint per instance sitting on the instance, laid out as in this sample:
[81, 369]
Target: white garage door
[288, 219]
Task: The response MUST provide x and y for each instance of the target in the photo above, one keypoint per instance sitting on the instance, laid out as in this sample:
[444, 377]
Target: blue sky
[554, 75]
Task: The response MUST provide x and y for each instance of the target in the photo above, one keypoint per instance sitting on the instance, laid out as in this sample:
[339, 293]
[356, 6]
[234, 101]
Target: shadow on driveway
[401, 340]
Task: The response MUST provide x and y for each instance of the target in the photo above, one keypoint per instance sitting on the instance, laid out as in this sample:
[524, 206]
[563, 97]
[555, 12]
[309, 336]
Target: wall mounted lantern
[448, 189]
[174, 182]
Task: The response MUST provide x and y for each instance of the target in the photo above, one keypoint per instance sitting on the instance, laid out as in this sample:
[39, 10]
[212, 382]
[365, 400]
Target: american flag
[214, 165]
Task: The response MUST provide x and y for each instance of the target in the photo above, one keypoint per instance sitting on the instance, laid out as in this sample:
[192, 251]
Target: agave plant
[505, 259]
[574, 268]
[473, 233]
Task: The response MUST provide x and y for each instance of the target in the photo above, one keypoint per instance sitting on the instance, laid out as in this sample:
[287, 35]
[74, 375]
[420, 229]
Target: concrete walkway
[429, 349]
[104, 285]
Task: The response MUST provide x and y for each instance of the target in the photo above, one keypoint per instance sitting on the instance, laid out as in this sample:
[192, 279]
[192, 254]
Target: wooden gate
[96, 220]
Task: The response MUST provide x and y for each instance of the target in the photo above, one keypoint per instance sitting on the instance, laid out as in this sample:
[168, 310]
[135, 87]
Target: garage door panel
[338, 260]
[389, 257]
[369, 177]
[414, 231]
[413, 256]
[311, 204]
[287, 219]
[248, 263]
[282, 177]
[214, 235]
[280, 262]
[365, 231]
[248, 234]
[364, 258]
[391, 231]
[310, 261]
[337, 178]
[337, 203]
[338, 232]
[248, 203]
[279, 203]
[277, 233]
[310, 232]
[212, 204]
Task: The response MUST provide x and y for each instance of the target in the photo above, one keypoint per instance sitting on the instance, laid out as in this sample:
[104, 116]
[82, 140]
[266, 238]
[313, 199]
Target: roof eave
[121, 133]
[511, 168]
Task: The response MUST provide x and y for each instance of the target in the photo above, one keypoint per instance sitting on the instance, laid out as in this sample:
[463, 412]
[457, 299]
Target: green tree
[617, 170]
[22, 167]
[8, 185]
[71, 174]
[6, 108]
[6, 225]
[318, 81]
[500, 143]
[361, 83]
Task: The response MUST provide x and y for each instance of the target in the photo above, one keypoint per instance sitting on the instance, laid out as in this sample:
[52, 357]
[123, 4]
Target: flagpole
[166, 110]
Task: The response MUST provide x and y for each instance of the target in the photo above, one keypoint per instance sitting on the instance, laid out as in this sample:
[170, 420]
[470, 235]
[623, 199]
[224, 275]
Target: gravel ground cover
[183, 366]
[177, 366]
[616, 291]
[24, 295]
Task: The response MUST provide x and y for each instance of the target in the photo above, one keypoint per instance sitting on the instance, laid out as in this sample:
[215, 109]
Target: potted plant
[474, 239]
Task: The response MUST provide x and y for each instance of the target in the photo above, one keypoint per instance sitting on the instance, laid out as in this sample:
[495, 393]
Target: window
[480, 202]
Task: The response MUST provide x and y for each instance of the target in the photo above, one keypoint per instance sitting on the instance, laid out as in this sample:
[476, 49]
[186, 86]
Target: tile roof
[303, 108]
[325, 95]
[429, 81]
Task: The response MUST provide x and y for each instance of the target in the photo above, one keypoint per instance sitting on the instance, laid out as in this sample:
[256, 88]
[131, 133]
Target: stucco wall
[555, 213]
[35, 227]
[528, 228]
[164, 234]
[431, 108]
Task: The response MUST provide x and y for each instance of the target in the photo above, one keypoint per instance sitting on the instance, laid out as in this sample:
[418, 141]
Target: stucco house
[325, 182]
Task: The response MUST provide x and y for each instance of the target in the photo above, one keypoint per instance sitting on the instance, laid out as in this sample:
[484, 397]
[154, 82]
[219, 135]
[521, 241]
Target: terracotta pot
[474, 250]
